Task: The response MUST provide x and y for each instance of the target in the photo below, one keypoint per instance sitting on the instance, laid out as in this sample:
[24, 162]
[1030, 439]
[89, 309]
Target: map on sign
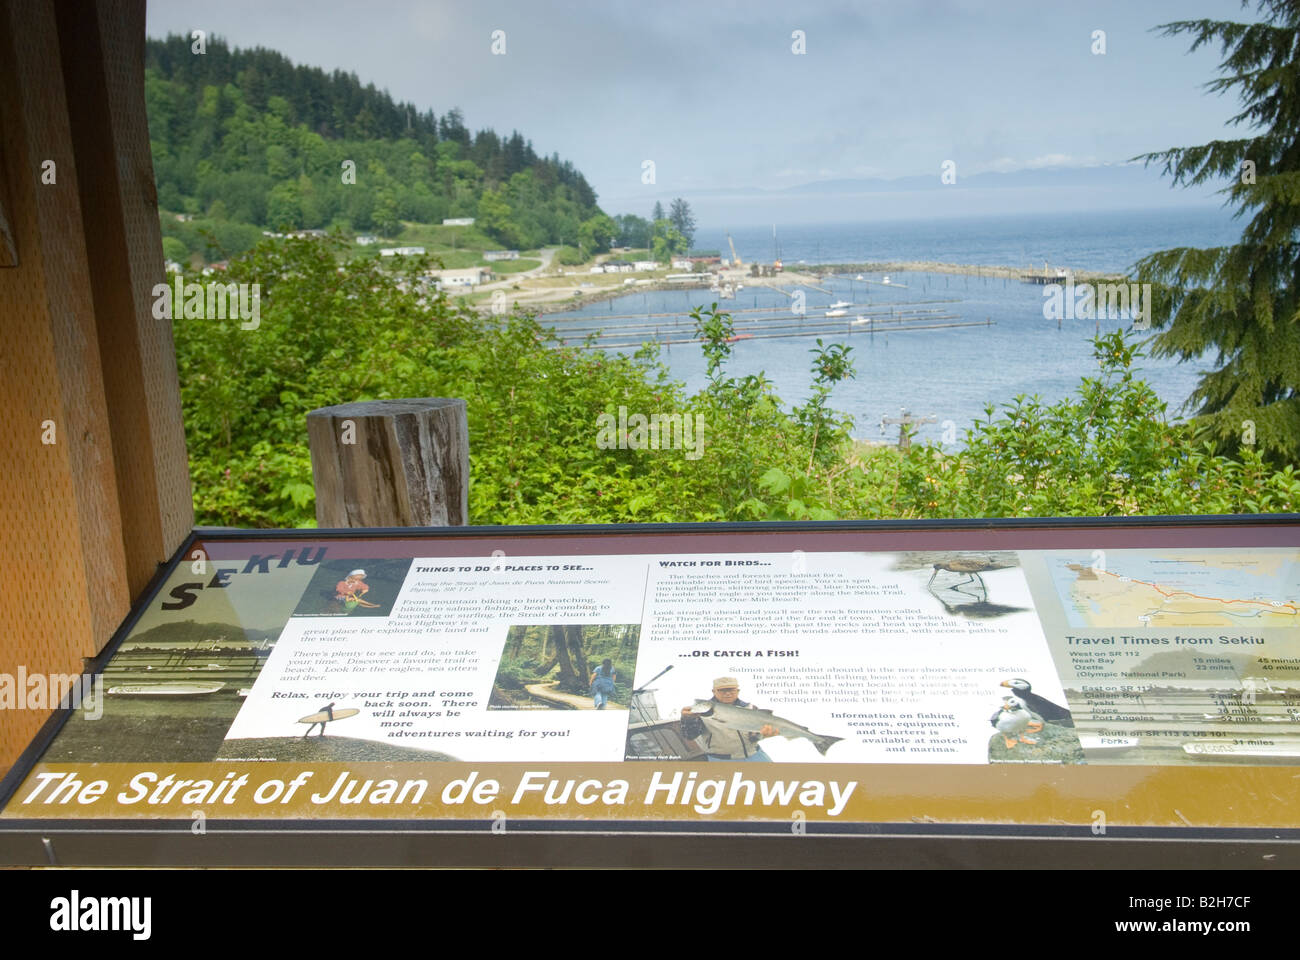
[1134, 588]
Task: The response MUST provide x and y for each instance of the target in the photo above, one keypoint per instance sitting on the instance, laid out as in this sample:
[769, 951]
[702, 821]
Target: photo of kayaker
[351, 591]
[353, 588]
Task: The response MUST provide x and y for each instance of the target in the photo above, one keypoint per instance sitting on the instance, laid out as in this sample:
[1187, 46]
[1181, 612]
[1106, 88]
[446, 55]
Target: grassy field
[515, 266]
[456, 247]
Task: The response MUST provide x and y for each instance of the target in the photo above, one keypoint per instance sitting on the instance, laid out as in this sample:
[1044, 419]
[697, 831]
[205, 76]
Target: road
[547, 691]
[547, 255]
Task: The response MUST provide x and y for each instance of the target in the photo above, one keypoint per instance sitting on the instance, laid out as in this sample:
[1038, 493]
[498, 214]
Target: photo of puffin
[1049, 711]
[1013, 721]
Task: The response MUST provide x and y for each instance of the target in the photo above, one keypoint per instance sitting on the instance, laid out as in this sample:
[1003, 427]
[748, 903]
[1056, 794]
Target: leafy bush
[366, 330]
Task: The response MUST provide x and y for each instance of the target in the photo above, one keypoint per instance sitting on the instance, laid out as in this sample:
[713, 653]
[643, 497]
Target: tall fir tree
[1242, 301]
[679, 212]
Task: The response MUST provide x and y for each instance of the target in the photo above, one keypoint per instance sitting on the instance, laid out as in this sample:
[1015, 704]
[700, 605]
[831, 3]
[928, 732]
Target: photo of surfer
[723, 728]
[585, 666]
[353, 588]
[958, 579]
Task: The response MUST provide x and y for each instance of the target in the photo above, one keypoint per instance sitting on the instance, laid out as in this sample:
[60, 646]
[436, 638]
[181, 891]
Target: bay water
[950, 373]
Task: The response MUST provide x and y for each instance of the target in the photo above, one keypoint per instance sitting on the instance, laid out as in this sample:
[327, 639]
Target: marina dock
[622, 331]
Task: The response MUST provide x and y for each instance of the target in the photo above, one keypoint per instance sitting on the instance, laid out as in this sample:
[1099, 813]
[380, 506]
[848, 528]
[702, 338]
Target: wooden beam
[102, 45]
[62, 539]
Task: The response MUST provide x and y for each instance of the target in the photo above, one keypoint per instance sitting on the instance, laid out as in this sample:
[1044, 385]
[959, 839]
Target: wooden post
[904, 420]
[102, 46]
[391, 463]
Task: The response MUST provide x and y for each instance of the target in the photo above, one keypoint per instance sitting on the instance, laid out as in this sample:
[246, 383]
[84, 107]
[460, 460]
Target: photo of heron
[957, 579]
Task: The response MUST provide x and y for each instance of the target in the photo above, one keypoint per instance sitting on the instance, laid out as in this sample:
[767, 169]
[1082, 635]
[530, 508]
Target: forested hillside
[244, 140]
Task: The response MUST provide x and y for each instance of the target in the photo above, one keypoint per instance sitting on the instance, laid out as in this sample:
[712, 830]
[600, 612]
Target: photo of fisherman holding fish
[729, 729]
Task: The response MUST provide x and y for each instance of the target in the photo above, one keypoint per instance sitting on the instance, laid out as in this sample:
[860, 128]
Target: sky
[715, 95]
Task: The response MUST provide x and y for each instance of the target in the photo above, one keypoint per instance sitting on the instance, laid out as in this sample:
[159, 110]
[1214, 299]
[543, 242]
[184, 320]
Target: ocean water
[950, 373]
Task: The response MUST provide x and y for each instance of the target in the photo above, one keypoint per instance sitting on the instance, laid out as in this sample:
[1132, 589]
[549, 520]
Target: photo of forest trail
[555, 667]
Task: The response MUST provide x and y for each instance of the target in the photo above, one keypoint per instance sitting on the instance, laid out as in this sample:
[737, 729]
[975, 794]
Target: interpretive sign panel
[855, 674]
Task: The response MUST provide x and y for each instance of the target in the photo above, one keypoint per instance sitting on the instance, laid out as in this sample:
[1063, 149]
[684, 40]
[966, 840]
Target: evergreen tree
[680, 214]
[1242, 300]
[658, 213]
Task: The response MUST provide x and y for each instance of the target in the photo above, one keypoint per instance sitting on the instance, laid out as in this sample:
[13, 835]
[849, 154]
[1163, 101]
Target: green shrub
[364, 330]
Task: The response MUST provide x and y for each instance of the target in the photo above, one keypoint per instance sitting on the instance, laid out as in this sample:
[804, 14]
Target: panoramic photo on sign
[322, 678]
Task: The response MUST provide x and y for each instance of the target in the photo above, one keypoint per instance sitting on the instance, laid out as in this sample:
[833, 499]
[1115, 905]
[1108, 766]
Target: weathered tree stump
[391, 463]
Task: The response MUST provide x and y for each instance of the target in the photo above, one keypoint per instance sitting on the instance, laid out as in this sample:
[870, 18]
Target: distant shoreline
[934, 266]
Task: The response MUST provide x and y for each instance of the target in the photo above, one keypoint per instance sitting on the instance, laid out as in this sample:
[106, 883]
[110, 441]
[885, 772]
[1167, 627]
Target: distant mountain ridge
[1057, 189]
[1108, 175]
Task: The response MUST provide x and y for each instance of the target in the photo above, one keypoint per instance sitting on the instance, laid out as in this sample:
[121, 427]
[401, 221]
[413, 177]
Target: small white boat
[1108, 744]
[1246, 752]
[840, 303]
[862, 320]
[177, 689]
[837, 313]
